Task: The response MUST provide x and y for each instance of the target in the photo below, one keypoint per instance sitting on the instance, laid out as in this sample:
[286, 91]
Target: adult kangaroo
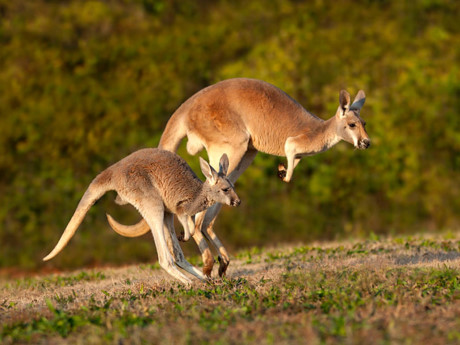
[242, 116]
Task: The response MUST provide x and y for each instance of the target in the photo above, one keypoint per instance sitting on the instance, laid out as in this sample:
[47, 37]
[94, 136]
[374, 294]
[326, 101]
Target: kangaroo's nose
[366, 143]
[236, 202]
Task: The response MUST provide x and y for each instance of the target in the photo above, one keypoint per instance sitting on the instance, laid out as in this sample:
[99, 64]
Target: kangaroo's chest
[270, 136]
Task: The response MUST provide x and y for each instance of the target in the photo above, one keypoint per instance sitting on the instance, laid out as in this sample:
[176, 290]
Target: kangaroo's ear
[223, 164]
[208, 171]
[359, 100]
[344, 100]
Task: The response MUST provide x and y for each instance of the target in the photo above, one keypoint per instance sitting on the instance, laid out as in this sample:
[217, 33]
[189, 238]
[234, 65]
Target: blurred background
[84, 83]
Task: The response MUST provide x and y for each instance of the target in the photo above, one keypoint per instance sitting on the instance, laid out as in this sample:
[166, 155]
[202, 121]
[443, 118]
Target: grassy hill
[402, 290]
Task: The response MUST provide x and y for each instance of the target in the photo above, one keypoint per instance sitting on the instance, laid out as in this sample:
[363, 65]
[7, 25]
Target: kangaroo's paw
[223, 265]
[181, 236]
[282, 171]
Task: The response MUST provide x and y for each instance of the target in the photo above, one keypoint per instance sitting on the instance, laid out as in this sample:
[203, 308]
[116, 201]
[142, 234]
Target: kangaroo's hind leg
[239, 161]
[206, 255]
[175, 248]
[153, 213]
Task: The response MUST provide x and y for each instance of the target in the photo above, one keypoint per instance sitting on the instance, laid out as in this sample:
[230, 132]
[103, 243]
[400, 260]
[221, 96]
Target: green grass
[56, 280]
[376, 291]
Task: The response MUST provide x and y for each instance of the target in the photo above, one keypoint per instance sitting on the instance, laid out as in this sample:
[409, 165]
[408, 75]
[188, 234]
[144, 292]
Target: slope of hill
[376, 291]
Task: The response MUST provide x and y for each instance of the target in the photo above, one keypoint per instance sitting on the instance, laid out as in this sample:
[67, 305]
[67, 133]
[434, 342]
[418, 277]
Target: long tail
[135, 230]
[95, 191]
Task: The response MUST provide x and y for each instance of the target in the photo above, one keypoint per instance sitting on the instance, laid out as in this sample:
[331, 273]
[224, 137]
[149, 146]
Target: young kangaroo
[159, 184]
[243, 116]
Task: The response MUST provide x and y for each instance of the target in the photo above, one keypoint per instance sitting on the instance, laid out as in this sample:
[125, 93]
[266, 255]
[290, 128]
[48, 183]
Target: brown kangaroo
[242, 116]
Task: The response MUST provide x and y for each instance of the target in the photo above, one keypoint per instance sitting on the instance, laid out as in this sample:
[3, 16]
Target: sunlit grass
[403, 290]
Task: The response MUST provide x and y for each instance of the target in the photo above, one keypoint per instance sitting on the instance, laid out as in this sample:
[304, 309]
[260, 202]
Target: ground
[368, 291]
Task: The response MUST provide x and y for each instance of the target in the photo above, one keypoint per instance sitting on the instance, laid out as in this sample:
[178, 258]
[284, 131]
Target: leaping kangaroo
[242, 116]
[159, 184]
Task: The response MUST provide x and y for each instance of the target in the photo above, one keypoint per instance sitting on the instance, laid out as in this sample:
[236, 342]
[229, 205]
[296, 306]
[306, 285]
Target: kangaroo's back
[157, 171]
[236, 110]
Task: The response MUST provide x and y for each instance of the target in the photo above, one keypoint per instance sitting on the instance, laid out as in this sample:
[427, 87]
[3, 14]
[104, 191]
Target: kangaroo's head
[350, 126]
[220, 188]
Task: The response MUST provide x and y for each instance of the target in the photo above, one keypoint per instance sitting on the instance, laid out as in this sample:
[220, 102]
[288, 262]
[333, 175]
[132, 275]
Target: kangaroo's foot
[282, 170]
[223, 265]
[208, 262]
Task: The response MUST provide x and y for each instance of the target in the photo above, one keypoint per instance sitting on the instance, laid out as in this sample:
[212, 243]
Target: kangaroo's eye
[352, 125]
[225, 190]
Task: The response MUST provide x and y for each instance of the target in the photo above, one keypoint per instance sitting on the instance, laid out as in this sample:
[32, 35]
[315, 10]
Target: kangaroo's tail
[135, 230]
[175, 131]
[95, 191]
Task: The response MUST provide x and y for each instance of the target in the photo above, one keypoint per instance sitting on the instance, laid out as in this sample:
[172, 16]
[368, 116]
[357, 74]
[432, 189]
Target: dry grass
[401, 290]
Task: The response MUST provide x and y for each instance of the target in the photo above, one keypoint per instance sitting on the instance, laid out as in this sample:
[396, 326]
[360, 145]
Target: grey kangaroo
[158, 184]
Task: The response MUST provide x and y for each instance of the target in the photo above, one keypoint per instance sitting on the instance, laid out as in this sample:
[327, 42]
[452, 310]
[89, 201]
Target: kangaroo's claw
[282, 171]
[282, 174]
[223, 265]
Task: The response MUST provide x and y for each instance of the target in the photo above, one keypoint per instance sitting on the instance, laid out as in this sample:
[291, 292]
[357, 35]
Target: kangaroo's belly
[230, 134]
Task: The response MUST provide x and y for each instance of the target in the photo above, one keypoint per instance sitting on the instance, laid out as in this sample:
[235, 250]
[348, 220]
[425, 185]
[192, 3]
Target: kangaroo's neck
[199, 203]
[329, 134]
[322, 136]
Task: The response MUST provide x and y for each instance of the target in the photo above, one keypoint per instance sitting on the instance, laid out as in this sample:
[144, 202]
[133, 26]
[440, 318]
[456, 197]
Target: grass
[375, 291]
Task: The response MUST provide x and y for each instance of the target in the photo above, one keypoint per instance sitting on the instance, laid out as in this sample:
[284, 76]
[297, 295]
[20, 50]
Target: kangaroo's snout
[235, 202]
[364, 144]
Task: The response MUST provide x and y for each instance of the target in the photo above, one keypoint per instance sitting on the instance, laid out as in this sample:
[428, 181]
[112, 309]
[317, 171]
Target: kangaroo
[158, 184]
[243, 116]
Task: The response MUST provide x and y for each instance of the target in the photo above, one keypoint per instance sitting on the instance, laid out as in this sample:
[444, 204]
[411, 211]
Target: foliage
[82, 84]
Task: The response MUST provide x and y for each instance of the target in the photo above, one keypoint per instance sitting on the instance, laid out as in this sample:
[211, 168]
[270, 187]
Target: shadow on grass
[426, 257]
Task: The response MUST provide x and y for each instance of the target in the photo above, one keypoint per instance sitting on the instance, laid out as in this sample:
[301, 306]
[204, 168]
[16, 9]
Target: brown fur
[241, 110]
[242, 116]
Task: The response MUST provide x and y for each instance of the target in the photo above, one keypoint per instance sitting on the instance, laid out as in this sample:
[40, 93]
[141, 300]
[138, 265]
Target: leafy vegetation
[82, 84]
[365, 291]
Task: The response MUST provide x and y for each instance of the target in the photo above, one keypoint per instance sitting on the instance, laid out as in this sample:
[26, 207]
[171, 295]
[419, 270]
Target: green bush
[82, 84]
